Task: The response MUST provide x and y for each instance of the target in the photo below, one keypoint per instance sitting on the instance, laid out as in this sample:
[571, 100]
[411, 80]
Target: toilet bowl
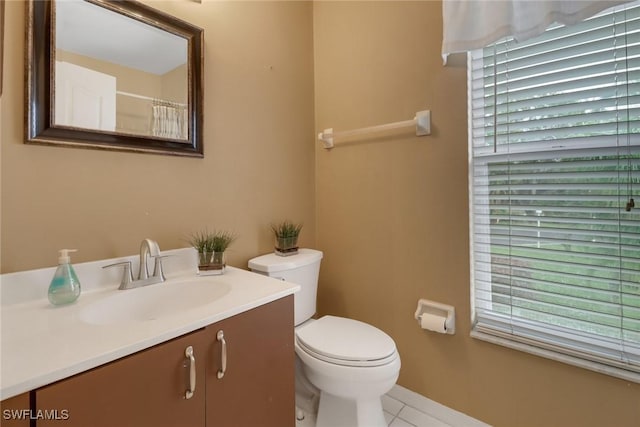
[345, 363]
[352, 364]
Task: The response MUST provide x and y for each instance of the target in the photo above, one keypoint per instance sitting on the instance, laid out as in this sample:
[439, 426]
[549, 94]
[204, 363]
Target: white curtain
[473, 24]
[169, 120]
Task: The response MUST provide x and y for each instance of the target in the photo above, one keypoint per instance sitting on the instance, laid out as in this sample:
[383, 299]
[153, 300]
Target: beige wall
[258, 144]
[127, 79]
[392, 220]
[175, 86]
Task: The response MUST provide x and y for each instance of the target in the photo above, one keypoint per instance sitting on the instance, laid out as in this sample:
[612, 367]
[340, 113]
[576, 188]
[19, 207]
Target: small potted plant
[211, 247]
[286, 237]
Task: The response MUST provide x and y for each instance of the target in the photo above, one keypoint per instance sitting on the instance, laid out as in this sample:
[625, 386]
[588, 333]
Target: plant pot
[205, 258]
[211, 263]
[285, 246]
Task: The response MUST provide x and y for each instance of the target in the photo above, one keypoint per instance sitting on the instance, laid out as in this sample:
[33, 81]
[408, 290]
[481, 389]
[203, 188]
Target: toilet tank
[302, 269]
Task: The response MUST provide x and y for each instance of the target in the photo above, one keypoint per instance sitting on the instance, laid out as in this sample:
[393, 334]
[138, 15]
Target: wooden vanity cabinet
[16, 411]
[144, 389]
[147, 389]
[257, 388]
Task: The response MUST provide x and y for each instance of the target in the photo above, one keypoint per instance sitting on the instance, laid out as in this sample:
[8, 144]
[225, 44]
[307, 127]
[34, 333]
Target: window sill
[558, 357]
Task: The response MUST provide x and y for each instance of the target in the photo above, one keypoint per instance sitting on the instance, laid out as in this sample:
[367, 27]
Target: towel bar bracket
[423, 123]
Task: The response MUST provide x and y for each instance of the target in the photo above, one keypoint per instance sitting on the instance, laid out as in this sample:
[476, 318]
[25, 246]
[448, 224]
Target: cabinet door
[257, 388]
[16, 411]
[144, 389]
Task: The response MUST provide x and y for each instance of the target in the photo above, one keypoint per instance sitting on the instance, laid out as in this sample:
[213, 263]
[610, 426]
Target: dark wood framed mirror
[115, 75]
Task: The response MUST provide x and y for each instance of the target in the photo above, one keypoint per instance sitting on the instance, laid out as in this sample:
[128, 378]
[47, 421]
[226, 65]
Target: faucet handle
[157, 267]
[127, 276]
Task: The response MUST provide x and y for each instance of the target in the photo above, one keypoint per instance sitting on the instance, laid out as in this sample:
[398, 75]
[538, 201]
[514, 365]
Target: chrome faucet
[148, 248]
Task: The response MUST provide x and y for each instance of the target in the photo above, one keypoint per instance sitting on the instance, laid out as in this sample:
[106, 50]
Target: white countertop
[41, 344]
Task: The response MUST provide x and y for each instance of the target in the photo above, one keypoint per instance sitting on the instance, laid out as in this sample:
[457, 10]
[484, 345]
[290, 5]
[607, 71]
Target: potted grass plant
[211, 247]
[286, 237]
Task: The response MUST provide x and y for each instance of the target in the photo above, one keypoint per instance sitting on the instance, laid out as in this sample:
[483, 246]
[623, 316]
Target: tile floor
[404, 408]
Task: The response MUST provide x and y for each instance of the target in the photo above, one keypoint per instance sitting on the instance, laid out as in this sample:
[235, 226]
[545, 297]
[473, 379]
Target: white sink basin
[154, 301]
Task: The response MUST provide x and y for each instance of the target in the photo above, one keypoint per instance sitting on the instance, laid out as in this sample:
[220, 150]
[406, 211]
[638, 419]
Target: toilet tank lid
[272, 263]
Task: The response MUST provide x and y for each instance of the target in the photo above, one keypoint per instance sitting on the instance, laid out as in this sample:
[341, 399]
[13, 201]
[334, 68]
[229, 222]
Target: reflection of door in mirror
[85, 98]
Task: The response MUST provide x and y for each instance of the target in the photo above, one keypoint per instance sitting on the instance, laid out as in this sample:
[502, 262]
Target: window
[554, 130]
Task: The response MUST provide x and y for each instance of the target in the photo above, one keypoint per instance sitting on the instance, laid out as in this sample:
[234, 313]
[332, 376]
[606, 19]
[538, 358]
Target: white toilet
[350, 364]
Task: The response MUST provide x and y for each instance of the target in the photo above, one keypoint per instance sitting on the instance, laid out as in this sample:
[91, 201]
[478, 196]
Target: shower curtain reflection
[168, 119]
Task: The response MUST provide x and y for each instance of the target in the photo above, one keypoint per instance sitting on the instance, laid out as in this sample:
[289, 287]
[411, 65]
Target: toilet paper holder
[447, 312]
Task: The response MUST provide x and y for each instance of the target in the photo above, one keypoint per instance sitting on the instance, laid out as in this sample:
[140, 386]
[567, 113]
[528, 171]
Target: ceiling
[91, 30]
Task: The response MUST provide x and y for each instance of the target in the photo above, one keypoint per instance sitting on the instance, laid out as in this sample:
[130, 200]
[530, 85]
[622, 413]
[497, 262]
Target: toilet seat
[346, 342]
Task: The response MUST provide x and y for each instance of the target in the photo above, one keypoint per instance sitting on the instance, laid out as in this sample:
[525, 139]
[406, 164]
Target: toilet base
[307, 395]
[336, 411]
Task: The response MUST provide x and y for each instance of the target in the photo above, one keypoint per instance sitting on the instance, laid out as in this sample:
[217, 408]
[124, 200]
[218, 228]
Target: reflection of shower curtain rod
[148, 98]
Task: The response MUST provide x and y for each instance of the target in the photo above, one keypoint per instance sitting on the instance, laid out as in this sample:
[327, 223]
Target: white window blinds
[555, 160]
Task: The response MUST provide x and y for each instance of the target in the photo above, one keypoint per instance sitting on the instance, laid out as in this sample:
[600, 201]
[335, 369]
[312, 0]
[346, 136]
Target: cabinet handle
[220, 337]
[192, 372]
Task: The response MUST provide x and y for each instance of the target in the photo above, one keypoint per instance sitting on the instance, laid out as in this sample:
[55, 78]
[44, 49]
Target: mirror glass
[121, 75]
[110, 76]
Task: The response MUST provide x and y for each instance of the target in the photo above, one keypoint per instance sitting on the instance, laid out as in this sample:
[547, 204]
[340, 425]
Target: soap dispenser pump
[65, 286]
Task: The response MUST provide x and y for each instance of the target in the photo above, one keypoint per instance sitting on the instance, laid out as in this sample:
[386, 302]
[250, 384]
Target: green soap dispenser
[65, 286]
